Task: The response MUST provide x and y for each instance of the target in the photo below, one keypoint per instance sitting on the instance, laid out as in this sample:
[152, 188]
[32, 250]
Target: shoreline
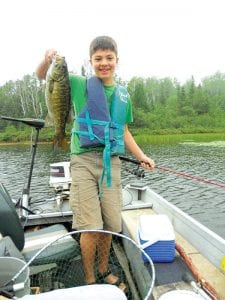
[20, 143]
[146, 138]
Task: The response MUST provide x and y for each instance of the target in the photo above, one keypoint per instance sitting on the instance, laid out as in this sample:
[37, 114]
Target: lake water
[203, 201]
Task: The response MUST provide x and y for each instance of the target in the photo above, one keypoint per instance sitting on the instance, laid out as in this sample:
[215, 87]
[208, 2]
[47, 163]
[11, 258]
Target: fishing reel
[138, 172]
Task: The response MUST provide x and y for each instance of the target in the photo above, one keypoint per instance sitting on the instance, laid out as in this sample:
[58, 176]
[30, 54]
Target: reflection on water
[203, 201]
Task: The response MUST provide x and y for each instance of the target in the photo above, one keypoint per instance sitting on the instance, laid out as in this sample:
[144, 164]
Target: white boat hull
[205, 248]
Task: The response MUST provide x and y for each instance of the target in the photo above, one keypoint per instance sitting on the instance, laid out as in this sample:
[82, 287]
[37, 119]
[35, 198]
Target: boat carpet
[166, 273]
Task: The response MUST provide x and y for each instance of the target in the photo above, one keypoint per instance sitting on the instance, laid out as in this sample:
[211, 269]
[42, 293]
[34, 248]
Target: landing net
[51, 269]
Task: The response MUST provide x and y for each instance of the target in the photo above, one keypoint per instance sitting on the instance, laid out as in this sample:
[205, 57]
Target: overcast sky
[175, 38]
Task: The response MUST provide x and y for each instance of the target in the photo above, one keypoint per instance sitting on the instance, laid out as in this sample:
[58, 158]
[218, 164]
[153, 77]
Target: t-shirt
[79, 100]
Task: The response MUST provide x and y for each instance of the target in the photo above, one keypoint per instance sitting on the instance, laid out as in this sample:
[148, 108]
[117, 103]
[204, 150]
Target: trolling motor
[37, 124]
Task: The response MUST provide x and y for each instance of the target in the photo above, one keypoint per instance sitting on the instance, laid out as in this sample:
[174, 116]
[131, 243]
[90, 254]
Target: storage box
[156, 237]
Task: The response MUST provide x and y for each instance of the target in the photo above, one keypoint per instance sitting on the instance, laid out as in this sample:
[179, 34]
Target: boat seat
[87, 292]
[10, 224]
[36, 240]
[8, 248]
[31, 242]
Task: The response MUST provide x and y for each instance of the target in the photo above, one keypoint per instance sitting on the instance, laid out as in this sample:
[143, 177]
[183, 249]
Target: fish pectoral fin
[71, 115]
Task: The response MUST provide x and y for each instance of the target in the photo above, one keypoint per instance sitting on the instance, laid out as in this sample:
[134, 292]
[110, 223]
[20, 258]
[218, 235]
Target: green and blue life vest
[100, 127]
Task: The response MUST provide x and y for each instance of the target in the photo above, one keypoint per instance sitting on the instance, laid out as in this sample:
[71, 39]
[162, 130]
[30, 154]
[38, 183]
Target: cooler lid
[154, 228]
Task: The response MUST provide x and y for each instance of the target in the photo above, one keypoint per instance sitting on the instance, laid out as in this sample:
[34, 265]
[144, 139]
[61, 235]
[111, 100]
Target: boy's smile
[104, 63]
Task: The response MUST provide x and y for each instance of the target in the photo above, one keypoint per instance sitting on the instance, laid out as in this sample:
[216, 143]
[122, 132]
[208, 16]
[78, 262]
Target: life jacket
[98, 127]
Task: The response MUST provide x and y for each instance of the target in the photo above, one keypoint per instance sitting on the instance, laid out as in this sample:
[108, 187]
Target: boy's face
[104, 63]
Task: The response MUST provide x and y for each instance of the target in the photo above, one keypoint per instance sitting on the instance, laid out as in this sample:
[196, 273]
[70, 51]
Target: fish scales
[58, 100]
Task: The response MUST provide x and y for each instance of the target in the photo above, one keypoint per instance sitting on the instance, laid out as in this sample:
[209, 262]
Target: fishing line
[191, 177]
[175, 172]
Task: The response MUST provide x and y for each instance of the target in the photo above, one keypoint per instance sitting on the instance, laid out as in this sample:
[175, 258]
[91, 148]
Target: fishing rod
[137, 162]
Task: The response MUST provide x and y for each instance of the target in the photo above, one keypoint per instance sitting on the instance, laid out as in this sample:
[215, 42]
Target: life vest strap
[106, 159]
[109, 130]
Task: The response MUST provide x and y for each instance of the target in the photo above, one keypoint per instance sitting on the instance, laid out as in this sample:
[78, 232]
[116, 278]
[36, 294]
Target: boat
[162, 253]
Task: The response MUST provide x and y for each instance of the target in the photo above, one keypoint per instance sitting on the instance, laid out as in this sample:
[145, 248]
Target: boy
[95, 204]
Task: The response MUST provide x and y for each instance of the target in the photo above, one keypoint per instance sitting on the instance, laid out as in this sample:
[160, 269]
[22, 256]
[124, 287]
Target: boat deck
[213, 275]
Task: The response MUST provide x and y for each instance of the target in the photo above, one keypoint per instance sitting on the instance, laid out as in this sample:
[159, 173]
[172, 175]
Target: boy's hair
[103, 42]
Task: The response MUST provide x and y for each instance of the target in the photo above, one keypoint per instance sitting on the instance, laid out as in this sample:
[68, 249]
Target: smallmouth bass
[58, 100]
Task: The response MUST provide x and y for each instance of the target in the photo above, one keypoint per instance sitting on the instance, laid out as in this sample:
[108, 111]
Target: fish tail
[60, 143]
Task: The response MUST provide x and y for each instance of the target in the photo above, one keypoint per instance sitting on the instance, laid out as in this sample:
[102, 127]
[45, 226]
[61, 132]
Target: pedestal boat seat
[31, 242]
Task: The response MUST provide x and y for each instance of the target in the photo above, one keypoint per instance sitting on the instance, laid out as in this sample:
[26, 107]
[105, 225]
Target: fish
[58, 100]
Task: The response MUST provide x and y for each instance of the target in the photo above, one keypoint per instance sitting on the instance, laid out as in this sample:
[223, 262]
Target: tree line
[165, 104]
[160, 105]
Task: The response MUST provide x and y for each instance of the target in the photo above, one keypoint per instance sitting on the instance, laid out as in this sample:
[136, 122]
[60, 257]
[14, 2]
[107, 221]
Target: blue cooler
[156, 237]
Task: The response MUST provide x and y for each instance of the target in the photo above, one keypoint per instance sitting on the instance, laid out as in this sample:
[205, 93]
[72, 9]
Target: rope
[206, 286]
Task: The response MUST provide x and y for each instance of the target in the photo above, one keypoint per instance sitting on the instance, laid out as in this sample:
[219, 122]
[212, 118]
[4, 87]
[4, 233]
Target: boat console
[134, 196]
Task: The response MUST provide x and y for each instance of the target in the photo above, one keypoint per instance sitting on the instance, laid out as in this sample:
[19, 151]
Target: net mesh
[49, 271]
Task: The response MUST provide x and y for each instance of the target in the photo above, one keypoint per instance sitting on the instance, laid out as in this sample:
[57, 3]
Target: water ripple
[203, 201]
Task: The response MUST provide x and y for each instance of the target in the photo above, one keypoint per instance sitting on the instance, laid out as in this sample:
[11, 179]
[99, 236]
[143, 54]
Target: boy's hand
[42, 68]
[148, 163]
[49, 55]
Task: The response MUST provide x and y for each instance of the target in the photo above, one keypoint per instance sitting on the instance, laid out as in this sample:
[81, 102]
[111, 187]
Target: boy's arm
[132, 146]
[42, 68]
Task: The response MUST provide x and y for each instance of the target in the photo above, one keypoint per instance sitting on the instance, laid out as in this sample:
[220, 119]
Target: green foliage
[161, 105]
[14, 134]
[136, 88]
[145, 137]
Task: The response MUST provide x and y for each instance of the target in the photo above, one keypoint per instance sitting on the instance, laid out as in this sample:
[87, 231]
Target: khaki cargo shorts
[89, 210]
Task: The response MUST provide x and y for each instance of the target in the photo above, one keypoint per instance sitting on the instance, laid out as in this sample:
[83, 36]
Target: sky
[156, 38]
